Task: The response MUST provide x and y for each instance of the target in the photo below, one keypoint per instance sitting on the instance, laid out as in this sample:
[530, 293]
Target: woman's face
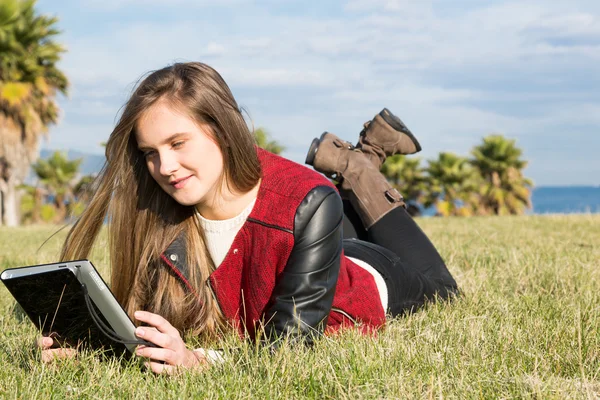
[181, 155]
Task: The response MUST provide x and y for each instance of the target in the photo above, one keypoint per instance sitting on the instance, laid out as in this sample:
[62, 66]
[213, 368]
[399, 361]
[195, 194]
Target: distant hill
[91, 164]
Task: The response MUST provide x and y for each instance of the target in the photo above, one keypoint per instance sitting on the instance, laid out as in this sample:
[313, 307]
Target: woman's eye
[177, 145]
[149, 153]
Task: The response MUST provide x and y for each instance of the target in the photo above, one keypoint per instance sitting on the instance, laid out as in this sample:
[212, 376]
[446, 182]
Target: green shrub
[48, 213]
[77, 208]
[27, 204]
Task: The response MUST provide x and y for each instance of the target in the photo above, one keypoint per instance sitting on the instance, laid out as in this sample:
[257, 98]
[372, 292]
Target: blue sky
[453, 70]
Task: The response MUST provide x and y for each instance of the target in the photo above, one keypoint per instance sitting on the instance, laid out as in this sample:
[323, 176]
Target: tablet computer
[70, 302]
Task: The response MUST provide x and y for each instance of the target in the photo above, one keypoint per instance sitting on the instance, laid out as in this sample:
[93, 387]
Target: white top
[379, 281]
[220, 234]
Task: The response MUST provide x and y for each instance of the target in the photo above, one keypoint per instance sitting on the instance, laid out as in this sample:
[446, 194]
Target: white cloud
[575, 23]
[336, 71]
[268, 77]
[114, 5]
[214, 49]
[259, 44]
[405, 7]
[92, 108]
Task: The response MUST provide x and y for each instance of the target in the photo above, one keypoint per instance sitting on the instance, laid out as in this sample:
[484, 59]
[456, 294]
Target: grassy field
[527, 326]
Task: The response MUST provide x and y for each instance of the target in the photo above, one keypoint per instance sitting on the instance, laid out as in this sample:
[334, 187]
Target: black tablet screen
[56, 304]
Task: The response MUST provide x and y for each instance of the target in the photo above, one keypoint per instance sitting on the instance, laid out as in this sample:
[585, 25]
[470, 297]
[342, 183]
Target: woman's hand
[50, 354]
[172, 352]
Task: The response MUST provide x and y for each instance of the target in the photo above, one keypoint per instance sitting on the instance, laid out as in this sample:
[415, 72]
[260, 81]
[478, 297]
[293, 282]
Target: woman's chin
[186, 196]
[186, 202]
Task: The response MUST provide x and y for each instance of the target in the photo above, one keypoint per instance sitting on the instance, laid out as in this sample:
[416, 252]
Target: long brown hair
[143, 220]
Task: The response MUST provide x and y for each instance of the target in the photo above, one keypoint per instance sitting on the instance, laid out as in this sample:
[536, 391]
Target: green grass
[526, 326]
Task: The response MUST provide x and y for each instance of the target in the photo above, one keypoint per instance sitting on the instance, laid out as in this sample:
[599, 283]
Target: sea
[565, 200]
[558, 200]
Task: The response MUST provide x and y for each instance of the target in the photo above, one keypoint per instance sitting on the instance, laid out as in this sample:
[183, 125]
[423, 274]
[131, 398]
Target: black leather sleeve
[303, 295]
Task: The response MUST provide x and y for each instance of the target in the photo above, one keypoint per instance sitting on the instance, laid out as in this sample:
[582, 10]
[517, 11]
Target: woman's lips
[181, 183]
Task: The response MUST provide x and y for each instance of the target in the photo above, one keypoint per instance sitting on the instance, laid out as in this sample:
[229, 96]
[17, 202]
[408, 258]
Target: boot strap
[393, 196]
[342, 144]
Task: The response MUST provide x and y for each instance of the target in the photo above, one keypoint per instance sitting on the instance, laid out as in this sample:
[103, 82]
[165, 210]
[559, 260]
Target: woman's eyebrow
[174, 136]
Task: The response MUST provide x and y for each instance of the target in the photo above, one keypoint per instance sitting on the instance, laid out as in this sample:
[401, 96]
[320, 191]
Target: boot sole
[389, 118]
[312, 150]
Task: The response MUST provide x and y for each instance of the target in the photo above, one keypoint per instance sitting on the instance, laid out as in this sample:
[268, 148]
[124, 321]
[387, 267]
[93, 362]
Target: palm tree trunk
[10, 211]
[1, 205]
[37, 205]
[61, 209]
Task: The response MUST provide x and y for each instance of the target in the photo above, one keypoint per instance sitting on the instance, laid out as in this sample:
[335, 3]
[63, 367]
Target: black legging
[400, 251]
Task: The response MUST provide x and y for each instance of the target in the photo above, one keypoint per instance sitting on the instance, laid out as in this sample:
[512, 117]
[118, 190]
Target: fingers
[172, 350]
[157, 354]
[160, 332]
[49, 354]
[44, 342]
[57, 354]
[157, 321]
[160, 339]
[160, 368]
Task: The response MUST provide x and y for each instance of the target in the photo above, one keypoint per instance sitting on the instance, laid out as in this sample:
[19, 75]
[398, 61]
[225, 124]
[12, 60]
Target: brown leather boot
[384, 136]
[367, 189]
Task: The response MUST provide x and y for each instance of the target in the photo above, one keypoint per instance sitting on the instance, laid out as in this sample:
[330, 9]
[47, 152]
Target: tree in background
[263, 139]
[454, 185]
[409, 178]
[505, 189]
[32, 202]
[84, 189]
[57, 175]
[29, 82]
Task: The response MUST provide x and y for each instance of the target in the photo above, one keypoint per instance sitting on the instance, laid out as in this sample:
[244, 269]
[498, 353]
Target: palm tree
[85, 188]
[409, 178]
[455, 185]
[29, 82]
[9, 12]
[263, 139]
[506, 190]
[31, 203]
[57, 175]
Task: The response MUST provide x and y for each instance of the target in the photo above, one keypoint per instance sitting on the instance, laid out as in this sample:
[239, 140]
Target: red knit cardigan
[245, 280]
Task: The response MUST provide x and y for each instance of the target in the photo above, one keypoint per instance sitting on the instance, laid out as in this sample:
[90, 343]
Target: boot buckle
[393, 196]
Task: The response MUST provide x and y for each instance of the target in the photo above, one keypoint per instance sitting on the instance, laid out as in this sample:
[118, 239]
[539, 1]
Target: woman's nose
[168, 163]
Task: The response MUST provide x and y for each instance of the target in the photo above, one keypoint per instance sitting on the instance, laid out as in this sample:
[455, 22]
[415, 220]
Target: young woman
[207, 231]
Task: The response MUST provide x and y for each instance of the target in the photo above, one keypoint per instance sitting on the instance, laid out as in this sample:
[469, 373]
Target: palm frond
[499, 162]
